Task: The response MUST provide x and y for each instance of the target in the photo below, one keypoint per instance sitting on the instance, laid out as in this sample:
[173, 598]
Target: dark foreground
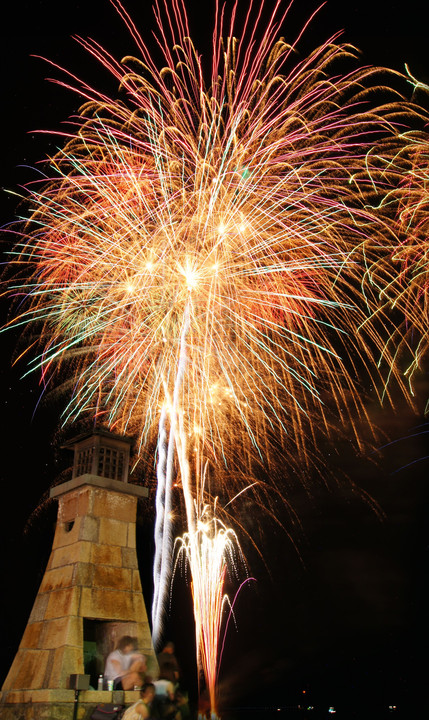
[321, 713]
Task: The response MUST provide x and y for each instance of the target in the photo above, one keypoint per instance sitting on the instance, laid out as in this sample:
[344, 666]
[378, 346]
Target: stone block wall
[92, 574]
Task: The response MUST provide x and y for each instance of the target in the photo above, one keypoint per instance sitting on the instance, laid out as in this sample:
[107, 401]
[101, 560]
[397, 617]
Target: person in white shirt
[125, 666]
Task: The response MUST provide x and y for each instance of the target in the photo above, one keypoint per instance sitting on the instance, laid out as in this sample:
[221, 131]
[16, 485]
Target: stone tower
[91, 593]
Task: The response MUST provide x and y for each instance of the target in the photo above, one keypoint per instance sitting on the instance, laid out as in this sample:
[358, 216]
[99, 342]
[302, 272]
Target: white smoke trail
[159, 521]
[163, 561]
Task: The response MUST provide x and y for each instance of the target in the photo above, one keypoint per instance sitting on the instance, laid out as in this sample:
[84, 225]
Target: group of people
[153, 706]
[161, 698]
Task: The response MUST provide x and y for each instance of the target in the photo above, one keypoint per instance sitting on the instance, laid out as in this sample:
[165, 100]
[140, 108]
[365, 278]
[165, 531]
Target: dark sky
[346, 615]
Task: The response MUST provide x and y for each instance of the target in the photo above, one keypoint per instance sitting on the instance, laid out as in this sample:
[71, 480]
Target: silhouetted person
[167, 656]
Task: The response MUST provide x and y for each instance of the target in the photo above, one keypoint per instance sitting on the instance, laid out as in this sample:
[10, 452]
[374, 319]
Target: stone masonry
[92, 574]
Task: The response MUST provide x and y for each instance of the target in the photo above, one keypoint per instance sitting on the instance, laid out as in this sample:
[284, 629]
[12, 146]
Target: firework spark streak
[400, 271]
[403, 280]
[194, 260]
[210, 549]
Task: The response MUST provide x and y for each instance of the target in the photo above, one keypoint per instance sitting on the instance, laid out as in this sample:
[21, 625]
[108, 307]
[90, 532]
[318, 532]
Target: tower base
[59, 704]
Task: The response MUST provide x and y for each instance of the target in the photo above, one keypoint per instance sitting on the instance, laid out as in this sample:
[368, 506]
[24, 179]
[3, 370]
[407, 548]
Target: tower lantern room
[101, 453]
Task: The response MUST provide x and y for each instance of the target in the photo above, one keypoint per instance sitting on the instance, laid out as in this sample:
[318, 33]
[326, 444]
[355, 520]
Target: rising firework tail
[197, 257]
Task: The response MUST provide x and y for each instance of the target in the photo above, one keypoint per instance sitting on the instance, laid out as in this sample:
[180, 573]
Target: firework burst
[194, 260]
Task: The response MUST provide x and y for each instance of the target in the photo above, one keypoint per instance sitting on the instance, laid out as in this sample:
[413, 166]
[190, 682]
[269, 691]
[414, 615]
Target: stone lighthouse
[90, 595]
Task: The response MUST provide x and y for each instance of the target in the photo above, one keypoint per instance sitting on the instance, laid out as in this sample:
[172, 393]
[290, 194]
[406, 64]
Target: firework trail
[163, 529]
[210, 549]
[195, 258]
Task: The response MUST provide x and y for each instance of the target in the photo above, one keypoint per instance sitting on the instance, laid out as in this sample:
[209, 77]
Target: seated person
[165, 685]
[125, 666]
[163, 706]
[141, 710]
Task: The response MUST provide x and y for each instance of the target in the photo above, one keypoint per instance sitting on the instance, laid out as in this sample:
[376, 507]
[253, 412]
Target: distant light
[332, 710]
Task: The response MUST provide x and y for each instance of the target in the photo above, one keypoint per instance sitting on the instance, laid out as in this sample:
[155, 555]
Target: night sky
[339, 605]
